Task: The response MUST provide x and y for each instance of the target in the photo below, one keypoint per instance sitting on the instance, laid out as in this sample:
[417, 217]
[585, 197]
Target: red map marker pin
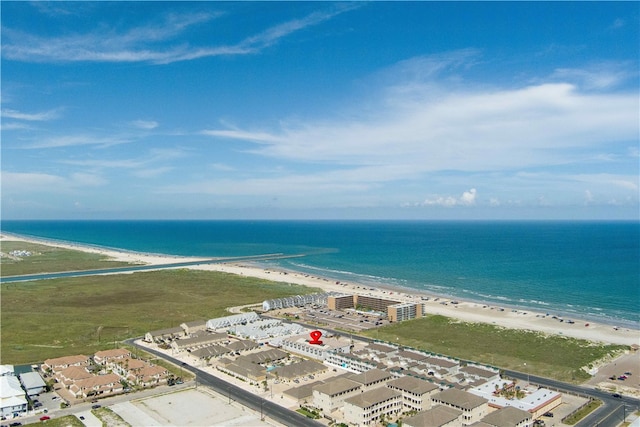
[315, 337]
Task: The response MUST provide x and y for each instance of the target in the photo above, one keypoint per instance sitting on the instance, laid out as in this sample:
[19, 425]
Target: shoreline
[464, 310]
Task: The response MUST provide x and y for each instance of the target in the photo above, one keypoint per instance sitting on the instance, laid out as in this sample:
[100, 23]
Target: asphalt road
[233, 392]
[610, 414]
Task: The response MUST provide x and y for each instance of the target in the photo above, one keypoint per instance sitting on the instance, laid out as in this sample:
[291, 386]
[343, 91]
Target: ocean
[589, 270]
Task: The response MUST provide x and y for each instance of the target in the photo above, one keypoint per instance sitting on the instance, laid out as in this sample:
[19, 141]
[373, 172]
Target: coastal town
[332, 377]
[307, 355]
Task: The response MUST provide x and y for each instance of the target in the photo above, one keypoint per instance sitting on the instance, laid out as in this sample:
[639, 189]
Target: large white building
[12, 397]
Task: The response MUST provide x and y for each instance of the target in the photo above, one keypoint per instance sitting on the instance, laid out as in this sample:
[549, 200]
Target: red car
[45, 418]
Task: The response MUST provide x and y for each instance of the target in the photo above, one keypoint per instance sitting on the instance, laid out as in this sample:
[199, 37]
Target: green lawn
[49, 259]
[81, 315]
[549, 356]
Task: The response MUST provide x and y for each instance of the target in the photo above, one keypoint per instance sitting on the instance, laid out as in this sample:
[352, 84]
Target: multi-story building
[340, 302]
[416, 393]
[404, 311]
[331, 395]
[473, 407]
[438, 416]
[372, 406]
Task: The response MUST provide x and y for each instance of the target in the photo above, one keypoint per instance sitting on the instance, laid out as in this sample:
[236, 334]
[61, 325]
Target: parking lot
[346, 319]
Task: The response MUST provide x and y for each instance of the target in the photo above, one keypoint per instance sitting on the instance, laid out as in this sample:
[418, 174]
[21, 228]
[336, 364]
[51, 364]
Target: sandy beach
[468, 311]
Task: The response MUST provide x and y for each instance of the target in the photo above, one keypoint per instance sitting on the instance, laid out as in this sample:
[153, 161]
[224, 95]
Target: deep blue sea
[589, 270]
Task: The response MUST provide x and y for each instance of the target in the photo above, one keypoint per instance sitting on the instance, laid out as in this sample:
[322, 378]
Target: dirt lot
[191, 407]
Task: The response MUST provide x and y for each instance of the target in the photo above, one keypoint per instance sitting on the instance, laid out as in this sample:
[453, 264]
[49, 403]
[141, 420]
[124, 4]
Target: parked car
[548, 414]
[95, 406]
[45, 418]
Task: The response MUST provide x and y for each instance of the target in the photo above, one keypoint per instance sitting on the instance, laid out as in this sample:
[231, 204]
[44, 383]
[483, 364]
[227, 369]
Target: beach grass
[550, 356]
[49, 259]
[82, 315]
[64, 421]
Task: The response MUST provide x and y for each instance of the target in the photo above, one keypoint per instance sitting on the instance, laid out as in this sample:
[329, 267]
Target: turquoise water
[589, 270]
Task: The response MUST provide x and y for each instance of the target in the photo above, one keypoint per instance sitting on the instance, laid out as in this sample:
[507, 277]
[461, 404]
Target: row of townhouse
[77, 374]
[169, 334]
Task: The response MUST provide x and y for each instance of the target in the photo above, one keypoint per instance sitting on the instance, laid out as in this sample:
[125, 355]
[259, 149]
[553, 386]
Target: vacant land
[49, 259]
[525, 351]
[81, 315]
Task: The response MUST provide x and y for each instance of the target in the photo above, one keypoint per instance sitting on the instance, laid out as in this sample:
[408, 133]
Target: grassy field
[52, 318]
[549, 356]
[49, 259]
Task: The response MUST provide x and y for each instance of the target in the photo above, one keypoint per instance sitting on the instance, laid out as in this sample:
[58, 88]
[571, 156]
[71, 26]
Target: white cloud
[32, 117]
[468, 198]
[78, 140]
[463, 130]
[597, 76]
[141, 44]
[144, 124]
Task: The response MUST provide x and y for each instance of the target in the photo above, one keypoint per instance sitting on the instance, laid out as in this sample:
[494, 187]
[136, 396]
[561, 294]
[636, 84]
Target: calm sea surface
[589, 270]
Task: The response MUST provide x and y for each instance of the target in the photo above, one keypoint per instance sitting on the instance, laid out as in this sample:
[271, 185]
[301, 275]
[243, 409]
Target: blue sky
[417, 110]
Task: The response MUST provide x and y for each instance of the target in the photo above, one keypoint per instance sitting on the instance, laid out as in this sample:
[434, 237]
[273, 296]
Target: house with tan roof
[68, 376]
[104, 356]
[149, 375]
[96, 385]
[60, 363]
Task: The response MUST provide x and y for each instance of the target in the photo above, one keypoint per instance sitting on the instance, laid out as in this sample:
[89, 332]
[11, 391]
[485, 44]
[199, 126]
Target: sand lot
[190, 407]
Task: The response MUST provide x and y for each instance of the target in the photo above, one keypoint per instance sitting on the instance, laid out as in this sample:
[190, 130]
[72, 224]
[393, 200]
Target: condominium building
[404, 311]
[416, 393]
[473, 407]
[371, 406]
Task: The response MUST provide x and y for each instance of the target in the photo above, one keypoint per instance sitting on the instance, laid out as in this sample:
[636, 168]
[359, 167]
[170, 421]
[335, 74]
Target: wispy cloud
[36, 182]
[144, 124]
[31, 117]
[142, 44]
[599, 76]
[461, 130]
[78, 140]
[468, 198]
